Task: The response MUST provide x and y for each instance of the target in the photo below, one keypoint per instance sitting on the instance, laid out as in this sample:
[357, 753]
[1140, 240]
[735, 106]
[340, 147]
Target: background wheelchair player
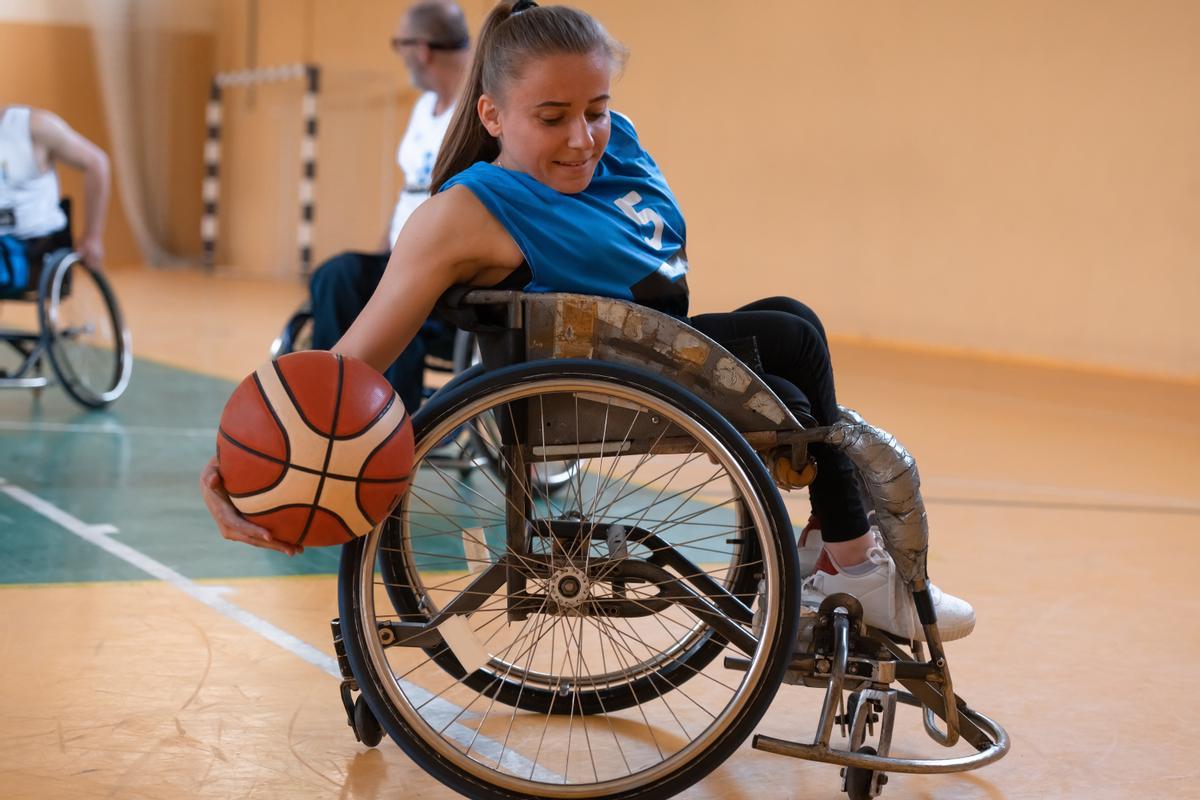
[432, 40]
[529, 177]
[80, 327]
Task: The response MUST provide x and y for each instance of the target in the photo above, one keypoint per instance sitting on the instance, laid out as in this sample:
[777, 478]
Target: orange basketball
[315, 447]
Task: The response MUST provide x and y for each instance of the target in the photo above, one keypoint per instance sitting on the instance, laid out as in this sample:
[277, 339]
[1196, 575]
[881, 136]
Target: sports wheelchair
[79, 327]
[621, 637]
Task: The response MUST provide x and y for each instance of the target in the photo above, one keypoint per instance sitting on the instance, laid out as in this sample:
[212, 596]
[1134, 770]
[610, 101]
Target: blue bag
[14, 265]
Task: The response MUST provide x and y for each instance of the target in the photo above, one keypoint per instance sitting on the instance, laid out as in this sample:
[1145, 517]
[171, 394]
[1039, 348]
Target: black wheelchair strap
[478, 318]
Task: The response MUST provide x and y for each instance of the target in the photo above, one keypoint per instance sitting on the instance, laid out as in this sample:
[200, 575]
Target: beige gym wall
[1013, 178]
[362, 109]
[47, 59]
[1010, 177]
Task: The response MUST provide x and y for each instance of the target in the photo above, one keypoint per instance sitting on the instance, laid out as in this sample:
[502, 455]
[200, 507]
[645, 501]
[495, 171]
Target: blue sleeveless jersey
[622, 236]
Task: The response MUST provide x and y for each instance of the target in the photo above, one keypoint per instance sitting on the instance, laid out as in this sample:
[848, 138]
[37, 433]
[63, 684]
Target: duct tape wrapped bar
[889, 475]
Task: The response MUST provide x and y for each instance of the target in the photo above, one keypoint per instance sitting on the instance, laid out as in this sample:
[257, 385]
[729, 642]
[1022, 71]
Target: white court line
[100, 536]
[109, 427]
[438, 712]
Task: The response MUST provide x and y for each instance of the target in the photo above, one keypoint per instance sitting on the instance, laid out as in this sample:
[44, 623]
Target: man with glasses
[433, 41]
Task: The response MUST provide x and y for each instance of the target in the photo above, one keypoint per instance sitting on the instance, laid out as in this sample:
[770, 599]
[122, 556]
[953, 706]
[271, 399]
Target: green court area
[135, 466]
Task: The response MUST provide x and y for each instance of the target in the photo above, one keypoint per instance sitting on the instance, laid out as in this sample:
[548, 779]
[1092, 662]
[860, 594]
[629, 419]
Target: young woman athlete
[541, 185]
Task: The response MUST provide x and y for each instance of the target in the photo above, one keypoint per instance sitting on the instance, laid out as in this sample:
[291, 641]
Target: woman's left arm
[450, 239]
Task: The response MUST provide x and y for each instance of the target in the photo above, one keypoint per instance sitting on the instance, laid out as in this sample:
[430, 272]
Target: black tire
[858, 780]
[731, 724]
[366, 727]
[84, 332]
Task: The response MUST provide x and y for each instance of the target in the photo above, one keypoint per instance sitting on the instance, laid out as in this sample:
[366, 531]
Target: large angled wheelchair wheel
[518, 642]
[84, 332]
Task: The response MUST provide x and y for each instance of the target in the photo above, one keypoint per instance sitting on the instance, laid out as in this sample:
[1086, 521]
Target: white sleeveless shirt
[416, 155]
[28, 196]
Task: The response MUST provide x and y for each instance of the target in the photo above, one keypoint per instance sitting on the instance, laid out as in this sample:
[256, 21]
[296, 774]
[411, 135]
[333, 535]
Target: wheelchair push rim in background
[664, 734]
[85, 334]
[552, 475]
[296, 334]
[548, 476]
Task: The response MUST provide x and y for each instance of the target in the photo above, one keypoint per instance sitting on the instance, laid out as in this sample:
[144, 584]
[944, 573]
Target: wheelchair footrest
[14, 382]
[924, 766]
[841, 654]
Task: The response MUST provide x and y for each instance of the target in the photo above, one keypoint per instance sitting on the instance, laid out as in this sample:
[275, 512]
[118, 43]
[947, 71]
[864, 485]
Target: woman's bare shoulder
[456, 206]
[461, 228]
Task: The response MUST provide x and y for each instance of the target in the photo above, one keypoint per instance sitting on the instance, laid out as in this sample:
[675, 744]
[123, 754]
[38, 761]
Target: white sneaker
[887, 603]
[809, 547]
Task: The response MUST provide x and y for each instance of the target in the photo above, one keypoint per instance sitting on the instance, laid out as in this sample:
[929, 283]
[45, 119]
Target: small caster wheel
[858, 780]
[851, 705]
[366, 727]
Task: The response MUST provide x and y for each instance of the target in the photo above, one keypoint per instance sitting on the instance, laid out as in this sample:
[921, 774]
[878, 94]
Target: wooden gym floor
[144, 657]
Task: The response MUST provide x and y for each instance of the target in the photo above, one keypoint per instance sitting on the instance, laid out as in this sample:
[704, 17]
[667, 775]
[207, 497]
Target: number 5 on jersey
[645, 216]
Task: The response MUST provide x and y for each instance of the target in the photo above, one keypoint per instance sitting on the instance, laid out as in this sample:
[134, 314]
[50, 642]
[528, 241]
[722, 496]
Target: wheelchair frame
[833, 649]
[54, 286]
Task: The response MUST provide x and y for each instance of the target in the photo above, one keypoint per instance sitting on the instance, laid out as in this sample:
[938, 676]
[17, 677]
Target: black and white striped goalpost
[311, 74]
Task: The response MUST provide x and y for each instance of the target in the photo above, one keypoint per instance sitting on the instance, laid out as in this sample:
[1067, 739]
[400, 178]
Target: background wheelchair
[79, 328]
[450, 352]
[621, 637]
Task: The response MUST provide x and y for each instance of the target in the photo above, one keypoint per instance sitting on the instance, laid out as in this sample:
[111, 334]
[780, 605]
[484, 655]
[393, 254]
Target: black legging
[792, 345]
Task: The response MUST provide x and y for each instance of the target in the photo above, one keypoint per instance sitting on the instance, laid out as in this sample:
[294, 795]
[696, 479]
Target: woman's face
[552, 121]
